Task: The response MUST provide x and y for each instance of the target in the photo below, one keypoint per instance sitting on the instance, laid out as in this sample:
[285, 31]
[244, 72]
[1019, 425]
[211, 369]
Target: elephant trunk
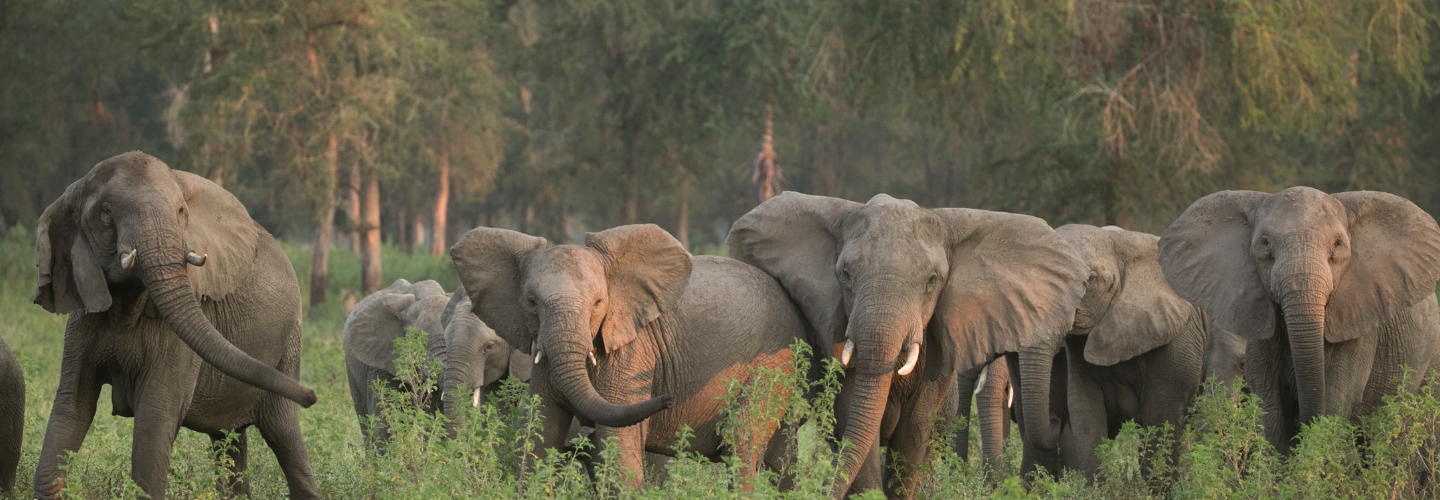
[1304, 310]
[1036, 364]
[450, 401]
[878, 339]
[162, 263]
[991, 400]
[565, 343]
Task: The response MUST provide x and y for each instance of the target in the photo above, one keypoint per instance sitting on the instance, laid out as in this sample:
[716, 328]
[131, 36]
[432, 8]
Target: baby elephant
[473, 355]
[12, 417]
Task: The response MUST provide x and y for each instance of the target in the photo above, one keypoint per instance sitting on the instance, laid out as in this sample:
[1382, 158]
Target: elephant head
[1127, 310]
[136, 233]
[890, 280]
[1331, 267]
[559, 304]
[475, 355]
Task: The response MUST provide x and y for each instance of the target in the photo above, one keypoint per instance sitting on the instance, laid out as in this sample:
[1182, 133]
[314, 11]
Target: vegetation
[1222, 452]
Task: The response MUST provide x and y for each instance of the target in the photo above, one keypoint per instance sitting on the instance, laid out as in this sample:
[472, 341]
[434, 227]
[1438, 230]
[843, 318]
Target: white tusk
[536, 349]
[127, 260]
[912, 354]
[475, 399]
[980, 382]
[592, 359]
[845, 354]
[1010, 402]
[538, 355]
[196, 260]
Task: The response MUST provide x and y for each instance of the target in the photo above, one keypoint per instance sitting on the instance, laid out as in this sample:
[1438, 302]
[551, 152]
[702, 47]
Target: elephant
[473, 355]
[915, 295]
[12, 417]
[185, 306]
[1334, 292]
[632, 334]
[989, 387]
[1136, 351]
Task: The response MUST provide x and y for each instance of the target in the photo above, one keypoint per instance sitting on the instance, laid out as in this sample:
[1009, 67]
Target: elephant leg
[1032, 457]
[992, 405]
[1088, 422]
[71, 413]
[656, 468]
[156, 425]
[280, 426]
[236, 453]
[1168, 391]
[911, 442]
[631, 453]
[963, 392]
[1269, 374]
[780, 456]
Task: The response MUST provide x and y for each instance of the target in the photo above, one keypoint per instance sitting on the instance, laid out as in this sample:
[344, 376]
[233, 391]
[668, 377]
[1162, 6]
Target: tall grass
[1222, 452]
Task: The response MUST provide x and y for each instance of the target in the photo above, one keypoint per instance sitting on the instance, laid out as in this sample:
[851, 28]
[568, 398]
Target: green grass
[1222, 452]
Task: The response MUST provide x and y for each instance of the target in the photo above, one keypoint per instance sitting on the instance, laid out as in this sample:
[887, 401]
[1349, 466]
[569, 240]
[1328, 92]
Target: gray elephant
[915, 295]
[1334, 292]
[627, 326]
[180, 302]
[473, 355]
[988, 387]
[12, 417]
[1136, 351]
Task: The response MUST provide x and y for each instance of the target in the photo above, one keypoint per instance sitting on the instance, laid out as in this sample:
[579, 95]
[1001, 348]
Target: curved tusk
[196, 260]
[127, 260]
[475, 399]
[984, 375]
[912, 354]
[592, 359]
[1010, 403]
[538, 354]
[845, 354]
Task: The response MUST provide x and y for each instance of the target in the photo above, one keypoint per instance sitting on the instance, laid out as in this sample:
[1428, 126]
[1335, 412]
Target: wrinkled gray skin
[212, 347]
[1334, 292]
[667, 331]
[1136, 351]
[473, 355]
[959, 285]
[12, 417]
[988, 386]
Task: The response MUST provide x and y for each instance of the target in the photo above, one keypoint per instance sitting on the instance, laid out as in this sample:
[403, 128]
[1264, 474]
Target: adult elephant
[988, 388]
[1334, 292]
[180, 302]
[12, 417]
[471, 352]
[1136, 351]
[619, 326]
[915, 295]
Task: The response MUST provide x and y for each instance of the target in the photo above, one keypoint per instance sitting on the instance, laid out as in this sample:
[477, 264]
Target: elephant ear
[1013, 283]
[1144, 313]
[69, 278]
[793, 238]
[1205, 255]
[520, 365]
[454, 304]
[488, 261]
[221, 229]
[1394, 263]
[370, 331]
[646, 271]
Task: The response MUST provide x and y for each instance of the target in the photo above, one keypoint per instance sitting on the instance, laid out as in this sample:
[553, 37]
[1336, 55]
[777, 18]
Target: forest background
[362, 121]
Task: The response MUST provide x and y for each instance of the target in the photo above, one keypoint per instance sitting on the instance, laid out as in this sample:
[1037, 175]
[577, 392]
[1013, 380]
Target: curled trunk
[566, 351]
[1036, 364]
[163, 272]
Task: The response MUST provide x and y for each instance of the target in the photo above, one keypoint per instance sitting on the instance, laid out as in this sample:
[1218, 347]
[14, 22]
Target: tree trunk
[370, 244]
[682, 232]
[527, 223]
[767, 177]
[419, 224]
[324, 228]
[354, 212]
[442, 202]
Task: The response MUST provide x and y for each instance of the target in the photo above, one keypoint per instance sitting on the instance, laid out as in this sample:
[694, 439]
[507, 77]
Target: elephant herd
[191, 313]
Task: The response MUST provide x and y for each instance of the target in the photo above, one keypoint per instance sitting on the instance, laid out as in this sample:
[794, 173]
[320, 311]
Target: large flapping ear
[1144, 313]
[1205, 255]
[1013, 283]
[456, 299]
[221, 229]
[69, 279]
[1394, 263]
[793, 238]
[488, 261]
[646, 271]
[375, 323]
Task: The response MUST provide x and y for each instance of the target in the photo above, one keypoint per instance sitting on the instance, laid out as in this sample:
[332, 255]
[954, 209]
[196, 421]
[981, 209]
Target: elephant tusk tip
[127, 260]
[912, 355]
[196, 259]
[538, 355]
[475, 399]
[845, 354]
[592, 359]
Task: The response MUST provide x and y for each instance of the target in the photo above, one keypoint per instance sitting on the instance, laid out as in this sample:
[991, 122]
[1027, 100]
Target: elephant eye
[597, 302]
[1265, 241]
[1090, 279]
[934, 278]
[1339, 242]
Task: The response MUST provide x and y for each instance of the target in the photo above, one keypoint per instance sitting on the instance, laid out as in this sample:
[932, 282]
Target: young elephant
[180, 302]
[12, 417]
[1336, 293]
[473, 355]
[627, 326]
[1136, 350]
